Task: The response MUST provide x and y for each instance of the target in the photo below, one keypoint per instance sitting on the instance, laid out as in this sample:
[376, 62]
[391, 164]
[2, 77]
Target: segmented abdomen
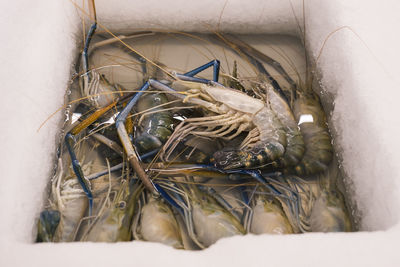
[269, 147]
[313, 126]
[295, 144]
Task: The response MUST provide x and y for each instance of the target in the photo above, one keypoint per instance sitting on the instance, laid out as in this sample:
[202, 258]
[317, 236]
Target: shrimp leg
[125, 140]
[85, 184]
[85, 54]
[215, 63]
[70, 142]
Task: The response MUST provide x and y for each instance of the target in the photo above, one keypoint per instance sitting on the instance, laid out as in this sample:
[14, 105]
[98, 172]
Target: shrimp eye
[121, 205]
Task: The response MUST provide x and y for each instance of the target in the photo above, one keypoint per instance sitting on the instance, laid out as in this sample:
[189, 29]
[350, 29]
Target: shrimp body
[113, 223]
[158, 224]
[269, 147]
[268, 218]
[72, 207]
[329, 213]
[47, 225]
[309, 114]
[295, 144]
[212, 222]
[306, 192]
[236, 112]
[312, 121]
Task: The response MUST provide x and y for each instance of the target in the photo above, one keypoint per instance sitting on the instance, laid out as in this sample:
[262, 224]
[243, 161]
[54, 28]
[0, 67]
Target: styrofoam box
[358, 66]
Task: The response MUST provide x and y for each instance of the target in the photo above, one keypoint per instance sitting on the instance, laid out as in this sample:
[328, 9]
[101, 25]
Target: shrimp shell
[212, 222]
[269, 147]
[72, 210]
[295, 144]
[114, 223]
[158, 224]
[47, 225]
[329, 213]
[314, 128]
[268, 218]
[239, 112]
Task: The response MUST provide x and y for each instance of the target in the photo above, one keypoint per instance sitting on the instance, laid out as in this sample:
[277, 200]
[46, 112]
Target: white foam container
[359, 69]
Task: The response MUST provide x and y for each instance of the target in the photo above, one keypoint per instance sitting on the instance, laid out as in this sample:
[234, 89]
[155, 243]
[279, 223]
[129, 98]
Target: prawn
[233, 113]
[270, 91]
[67, 194]
[329, 212]
[314, 128]
[205, 219]
[114, 222]
[47, 225]
[314, 153]
[157, 223]
[306, 192]
[210, 220]
[321, 205]
[71, 202]
[268, 217]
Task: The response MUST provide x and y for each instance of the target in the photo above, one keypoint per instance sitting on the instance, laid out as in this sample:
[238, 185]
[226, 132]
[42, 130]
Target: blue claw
[215, 63]
[256, 174]
[86, 47]
[168, 198]
[70, 142]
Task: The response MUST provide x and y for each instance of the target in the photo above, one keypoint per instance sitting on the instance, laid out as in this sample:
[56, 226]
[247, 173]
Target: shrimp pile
[185, 153]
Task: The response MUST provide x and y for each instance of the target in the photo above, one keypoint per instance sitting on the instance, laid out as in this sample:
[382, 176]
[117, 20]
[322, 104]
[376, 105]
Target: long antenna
[304, 44]
[92, 10]
[302, 36]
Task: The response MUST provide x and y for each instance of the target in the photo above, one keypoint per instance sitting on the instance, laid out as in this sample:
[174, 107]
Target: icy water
[207, 204]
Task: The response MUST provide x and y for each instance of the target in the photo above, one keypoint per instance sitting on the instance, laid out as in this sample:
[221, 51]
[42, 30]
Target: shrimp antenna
[302, 34]
[304, 42]
[92, 10]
